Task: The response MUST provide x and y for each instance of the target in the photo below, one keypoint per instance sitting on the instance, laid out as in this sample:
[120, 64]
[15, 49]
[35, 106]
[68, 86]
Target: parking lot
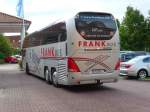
[25, 93]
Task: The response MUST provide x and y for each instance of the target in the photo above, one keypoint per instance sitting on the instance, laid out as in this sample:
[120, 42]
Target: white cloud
[7, 7]
[43, 12]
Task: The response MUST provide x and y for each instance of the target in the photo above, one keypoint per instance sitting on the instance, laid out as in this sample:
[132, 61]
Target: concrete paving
[25, 93]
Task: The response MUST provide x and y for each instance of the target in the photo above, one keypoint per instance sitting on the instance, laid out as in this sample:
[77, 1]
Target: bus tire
[54, 78]
[27, 69]
[47, 76]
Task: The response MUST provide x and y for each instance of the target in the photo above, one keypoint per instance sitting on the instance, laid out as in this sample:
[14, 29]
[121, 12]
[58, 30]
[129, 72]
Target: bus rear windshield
[95, 26]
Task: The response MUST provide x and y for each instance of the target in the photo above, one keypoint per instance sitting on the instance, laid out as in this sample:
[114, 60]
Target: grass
[147, 78]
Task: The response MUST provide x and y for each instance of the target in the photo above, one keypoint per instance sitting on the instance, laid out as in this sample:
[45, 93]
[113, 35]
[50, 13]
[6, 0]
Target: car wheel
[142, 74]
[47, 76]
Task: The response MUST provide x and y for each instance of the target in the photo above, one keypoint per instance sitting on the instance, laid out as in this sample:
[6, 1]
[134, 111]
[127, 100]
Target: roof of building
[12, 24]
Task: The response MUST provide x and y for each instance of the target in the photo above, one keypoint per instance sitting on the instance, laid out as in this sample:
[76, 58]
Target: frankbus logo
[47, 52]
[92, 43]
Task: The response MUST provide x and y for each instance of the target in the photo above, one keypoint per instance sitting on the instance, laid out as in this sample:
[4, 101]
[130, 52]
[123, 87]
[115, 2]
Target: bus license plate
[97, 71]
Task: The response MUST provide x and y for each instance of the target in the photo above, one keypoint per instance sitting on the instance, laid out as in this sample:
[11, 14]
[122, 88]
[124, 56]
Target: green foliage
[147, 32]
[133, 31]
[2, 55]
[5, 46]
[16, 51]
[118, 23]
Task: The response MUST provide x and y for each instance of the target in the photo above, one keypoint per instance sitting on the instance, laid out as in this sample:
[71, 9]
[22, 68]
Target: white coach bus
[82, 50]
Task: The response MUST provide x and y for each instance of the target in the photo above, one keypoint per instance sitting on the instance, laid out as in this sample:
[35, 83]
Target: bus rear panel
[93, 48]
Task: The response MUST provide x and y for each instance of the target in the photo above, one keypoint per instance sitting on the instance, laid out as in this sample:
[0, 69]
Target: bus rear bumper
[78, 78]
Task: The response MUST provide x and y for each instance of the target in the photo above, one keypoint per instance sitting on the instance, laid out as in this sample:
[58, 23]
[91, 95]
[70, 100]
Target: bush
[2, 56]
[2, 61]
[16, 51]
[5, 46]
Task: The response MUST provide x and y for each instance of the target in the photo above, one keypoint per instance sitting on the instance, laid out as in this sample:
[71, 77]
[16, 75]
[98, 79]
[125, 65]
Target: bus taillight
[72, 66]
[117, 66]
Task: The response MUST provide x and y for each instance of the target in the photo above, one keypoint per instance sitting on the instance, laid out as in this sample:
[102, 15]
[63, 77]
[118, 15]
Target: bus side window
[50, 38]
[63, 36]
[54, 37]
[54, 34]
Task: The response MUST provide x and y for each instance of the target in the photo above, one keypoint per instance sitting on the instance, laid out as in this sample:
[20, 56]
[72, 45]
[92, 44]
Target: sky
[43, 12]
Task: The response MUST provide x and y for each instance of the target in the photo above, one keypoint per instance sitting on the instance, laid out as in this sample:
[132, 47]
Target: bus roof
[63, 20]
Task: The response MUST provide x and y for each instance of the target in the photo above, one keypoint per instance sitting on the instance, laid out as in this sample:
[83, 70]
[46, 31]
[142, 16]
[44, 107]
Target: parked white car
[18, 57]
[138, 66]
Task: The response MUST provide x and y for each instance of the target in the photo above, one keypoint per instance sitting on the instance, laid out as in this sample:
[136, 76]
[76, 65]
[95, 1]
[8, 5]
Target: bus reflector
[72, 66]
[117, 66]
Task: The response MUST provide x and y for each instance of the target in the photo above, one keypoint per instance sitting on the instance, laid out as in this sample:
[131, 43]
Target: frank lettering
[92, 43]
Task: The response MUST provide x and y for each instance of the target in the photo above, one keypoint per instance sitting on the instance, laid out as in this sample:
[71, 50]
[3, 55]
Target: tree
[118, 23]
[147, 29]
[5, 46]
[16, 51]
[132, 30]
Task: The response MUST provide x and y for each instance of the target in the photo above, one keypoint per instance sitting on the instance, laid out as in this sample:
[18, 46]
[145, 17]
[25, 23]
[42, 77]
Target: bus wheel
[47, 76]
[54, 78]
[27, 69]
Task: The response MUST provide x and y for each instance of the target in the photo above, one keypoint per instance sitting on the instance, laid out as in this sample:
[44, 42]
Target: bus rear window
[95, 26]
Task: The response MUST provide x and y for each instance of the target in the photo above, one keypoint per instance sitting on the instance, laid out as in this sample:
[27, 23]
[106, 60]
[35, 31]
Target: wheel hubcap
[54, 78]
[47, 75]
[142, 74]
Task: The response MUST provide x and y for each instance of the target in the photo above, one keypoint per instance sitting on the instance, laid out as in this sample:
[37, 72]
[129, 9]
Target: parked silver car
[127, 55]
[138, 66]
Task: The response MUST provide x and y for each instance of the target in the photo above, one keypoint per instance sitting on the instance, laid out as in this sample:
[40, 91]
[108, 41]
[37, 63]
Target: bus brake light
[117, 66]
[72, 66]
